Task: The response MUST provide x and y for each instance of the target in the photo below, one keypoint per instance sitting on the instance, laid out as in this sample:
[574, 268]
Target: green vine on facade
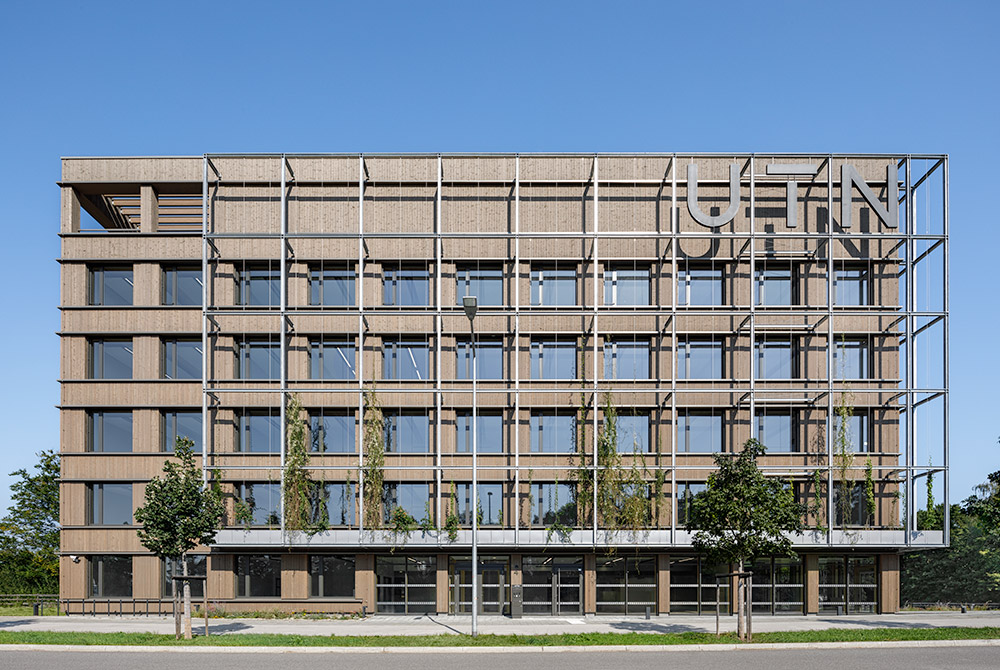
[817, 507]
[452, 523]
[870, 504]
[844, 454]
[300, 492]
[373, 476]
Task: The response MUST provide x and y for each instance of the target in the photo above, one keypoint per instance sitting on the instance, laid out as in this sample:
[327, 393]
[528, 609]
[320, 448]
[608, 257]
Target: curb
[895, 644]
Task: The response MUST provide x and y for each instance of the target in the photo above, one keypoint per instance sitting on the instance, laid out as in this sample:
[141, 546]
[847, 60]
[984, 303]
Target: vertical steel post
[674, 240]
[439, 327]
[204, 321]
[597, 283]
[830, 343]
[475, 492]
[911, 503]
[283, 362]
[361, 346]
[517, 348]
[945, 356]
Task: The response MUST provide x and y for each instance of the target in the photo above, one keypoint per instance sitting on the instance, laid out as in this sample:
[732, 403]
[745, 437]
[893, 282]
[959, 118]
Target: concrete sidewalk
[437, 625]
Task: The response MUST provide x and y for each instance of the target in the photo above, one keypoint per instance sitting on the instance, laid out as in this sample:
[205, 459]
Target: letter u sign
[692, 198]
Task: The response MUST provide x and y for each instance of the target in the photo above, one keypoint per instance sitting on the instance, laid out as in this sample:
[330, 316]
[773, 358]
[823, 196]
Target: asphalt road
[937, 658]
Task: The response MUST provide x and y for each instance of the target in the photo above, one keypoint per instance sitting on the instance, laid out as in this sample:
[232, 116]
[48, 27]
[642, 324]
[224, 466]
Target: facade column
[70, 211]
[811, 564]
[590, 584]
[149, 209]
[441, 593]
[663, 584]
[294, 577]
[221, 583]
[364, 580]
[888, 586]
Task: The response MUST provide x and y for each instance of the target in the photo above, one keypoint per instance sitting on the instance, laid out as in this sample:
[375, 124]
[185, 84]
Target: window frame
[273, 510]
[538, 281]
[463, 359]
[390, 499]
[793, 430]
[690, 274]
[318, 347]
[244, 430]
[391, 428]
[611, 359]
[97, 285]
[391, 278]
[96, 357]
[764, 275]
[463, 429]
[858, 343]
[170, 281]
[269, 346]
[318, 432]
[536, 361]
[96, 504]
[683, 423]
[171, 414]
[483, 285]
[96, 562]
[771, 342]
[392, 350]
[243, 571]
[95, 443]
[685, 348]
[317, 576]
[536, 429]
[612, 282]
[169, 357]
[320, 274]
[865, 292]
[244, 275]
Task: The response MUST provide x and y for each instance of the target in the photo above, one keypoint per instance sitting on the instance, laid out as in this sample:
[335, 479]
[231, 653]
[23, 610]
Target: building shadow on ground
[12, 623]
[851, 622]
[651, 627]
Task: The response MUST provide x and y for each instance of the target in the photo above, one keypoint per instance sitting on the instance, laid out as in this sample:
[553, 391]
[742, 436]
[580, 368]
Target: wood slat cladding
[598, 217]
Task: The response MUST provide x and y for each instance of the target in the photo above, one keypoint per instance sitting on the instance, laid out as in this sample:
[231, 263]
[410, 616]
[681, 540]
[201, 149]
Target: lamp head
[471, 305]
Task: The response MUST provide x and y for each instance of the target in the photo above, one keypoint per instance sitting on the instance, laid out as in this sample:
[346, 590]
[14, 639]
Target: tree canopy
[29, 533]
[179, 511]
[742, 514]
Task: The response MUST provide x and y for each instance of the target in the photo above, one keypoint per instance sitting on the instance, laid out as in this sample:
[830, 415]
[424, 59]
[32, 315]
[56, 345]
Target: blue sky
[102, 78]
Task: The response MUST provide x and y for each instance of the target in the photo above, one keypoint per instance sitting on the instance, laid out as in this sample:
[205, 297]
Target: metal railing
[36, 601]
[117, 606]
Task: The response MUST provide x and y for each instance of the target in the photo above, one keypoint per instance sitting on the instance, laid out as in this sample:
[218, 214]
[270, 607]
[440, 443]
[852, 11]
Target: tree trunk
[187, 603]
[740, 603]
[177, 609]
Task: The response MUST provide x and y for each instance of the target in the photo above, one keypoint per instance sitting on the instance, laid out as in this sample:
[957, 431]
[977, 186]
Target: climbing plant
[373, 477]
[299, 490]
[843, 456]
[870, 507]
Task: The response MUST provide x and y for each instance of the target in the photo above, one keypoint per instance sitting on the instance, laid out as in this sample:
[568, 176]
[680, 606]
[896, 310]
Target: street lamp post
[471, 305]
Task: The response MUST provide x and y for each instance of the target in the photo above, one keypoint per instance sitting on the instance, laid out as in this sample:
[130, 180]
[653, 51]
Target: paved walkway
[435, 625]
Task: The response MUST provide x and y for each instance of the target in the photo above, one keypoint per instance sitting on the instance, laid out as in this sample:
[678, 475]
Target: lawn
[567, 639]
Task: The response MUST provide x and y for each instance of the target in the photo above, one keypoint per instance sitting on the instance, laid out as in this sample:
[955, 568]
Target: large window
[182, 359]
[850, 358]
[626, 286]
[850, 287]
[332, 503]
[776, 431]
[849, 504]
[264, 501]
[181, 286]
[553, 432]
[110, 431]
[553, 359]
[331, 359]
[775, 287]
[553, 287]
[778, 586]
[258, 576]
[109, 504]
[699, 358]
[699, 432]
[258, 359]
[258, 286]
[332, 431]
[181, 424]
[406, 359]
[486, 283]
[686, 494]
[490, 503]
[405, 584]
[857, 431]
[197, 567]
[489, 432]
[489, 359]
[553, 503]
[625, 584]
[412, 498]
[259, 431]
[699, 287]
[110, 286]
[632, 431]
[776, 359]
[406, 286]
[110, 576]
[110, 359]
[848, 584]
[407, 433]
[331, 286]
[626, 359]
[331, 576]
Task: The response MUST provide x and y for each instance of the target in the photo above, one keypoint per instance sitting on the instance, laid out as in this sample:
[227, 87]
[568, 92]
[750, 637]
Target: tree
[29, 533]
[180, 513]
[744, 515]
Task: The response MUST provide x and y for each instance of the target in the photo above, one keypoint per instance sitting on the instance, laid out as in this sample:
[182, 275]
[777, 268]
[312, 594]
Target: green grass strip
[451, 640]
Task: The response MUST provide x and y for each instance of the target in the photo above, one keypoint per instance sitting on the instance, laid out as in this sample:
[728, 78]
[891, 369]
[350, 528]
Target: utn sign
[850, 179]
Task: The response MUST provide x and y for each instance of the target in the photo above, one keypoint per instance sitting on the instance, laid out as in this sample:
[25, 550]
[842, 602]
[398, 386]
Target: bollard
[647, 612]
[35, 607]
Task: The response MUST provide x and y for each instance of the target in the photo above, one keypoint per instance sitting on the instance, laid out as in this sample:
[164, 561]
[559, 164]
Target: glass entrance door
[568, 582]
[494, 587]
